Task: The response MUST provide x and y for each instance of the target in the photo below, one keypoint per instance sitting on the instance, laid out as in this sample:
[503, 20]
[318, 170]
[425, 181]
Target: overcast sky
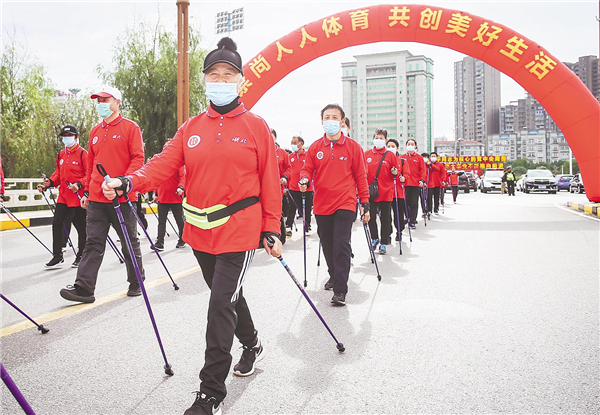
[72, 38]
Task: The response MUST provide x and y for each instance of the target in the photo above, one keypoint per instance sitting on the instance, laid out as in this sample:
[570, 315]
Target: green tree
[145, 70]
[79, 111]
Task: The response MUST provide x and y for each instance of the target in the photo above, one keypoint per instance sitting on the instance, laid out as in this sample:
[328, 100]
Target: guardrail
[24, 193]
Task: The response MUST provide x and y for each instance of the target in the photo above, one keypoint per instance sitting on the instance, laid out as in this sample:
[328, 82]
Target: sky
[70, 39]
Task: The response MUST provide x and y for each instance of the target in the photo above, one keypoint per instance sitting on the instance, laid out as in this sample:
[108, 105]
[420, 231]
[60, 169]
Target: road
[492, 308]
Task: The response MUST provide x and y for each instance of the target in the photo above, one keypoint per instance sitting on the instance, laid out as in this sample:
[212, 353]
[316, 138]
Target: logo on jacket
[61, 162]
[193, 141]
[95, 139]
[320, 155]
[369, 160]
[240, 140]
[292, 160]
[116, 136]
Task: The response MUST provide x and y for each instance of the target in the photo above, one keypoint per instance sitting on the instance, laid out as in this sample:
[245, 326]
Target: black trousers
[433, 199]
[412, 200]
[228, 315]
[385, 209]
[398, 214]
[163, 211]
[454, 193]
[291, 213]
[511, 187]
[61, 213]
[141, 212]
[100, 217]
[335, 232]
[68, 222]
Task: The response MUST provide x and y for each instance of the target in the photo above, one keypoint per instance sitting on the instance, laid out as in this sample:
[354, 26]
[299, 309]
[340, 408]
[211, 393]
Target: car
[491, 180]
[521, 182]
[472, 180]
[564, 182]
[576, 184]
[540, 180]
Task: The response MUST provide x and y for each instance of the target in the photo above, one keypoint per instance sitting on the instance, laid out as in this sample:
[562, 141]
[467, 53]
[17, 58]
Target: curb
[589, 208]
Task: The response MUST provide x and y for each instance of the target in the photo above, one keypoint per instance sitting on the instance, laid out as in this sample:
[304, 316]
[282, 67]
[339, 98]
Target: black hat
[70, 129]
[225, 52]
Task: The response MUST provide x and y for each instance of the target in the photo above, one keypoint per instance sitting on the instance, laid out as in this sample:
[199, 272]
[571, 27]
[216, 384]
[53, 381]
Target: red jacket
[227, 158]
[167, 191]
[283, 164]
[1, 177]
[297, 161]
[385, 180]
[436, 174]
[414, 169]
[70, 168]
[453, 176]
[338, 169]
[118, 146]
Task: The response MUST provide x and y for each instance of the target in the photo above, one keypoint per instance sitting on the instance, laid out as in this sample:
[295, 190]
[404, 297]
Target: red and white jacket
[70, 168]
[167, 191]
[283, 164]
[337, 170]
[118, 146]
[227, 158]
[297, 161]
[437, 174]
[414, 169]
[385, 180]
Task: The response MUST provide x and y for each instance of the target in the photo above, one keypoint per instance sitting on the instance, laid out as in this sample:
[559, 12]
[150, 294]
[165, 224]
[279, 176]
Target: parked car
[521, 182]
[472, 180]
[564, 182]
[540, 180]
[491, 180]
[576, 184]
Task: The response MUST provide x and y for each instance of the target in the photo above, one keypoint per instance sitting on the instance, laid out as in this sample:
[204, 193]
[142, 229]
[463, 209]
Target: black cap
[69, 129]
[226, 52]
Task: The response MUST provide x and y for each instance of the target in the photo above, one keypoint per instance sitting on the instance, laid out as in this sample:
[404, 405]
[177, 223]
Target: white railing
[24, 193]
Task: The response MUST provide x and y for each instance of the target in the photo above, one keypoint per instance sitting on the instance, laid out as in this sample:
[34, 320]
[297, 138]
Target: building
[536, 145]
[391, 90]
[504, 145]
[463, 148]
[588, 70]
[476, 100]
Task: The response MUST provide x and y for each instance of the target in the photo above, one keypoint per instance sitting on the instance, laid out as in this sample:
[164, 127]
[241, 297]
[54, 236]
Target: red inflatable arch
[556, 87]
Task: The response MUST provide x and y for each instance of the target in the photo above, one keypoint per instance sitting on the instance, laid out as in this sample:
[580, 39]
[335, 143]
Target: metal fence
[24, 193]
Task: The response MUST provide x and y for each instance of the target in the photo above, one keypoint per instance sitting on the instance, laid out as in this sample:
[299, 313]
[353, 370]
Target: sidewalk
[588, 207]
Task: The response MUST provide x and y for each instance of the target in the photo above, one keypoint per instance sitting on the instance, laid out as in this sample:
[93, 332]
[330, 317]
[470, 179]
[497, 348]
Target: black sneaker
[160, 246]
[339, 299]
[247, 363]
[55, 262]
[134, 290]
[204, 405]
[75, 263]
[329, 285]
[75, 293]
[288, 232]
[180, 244]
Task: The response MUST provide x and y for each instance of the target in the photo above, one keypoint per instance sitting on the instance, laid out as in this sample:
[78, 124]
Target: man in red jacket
[337, 166]
[117, 144]
[415, 176]
[297, 160]
[233, 201]
[437, 175]
[284, 168]
[169, 196]
[70, 176]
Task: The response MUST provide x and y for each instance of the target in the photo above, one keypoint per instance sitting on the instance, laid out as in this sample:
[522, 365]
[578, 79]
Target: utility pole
[183, 64]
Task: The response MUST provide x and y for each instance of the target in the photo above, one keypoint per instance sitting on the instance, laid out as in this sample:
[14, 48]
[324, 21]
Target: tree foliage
[145, 70]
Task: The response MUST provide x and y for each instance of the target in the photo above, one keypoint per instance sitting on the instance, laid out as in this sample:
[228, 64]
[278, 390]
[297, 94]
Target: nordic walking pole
[319, 259]
[117, 206]
[12, 387]
[406, 209]
[371, 250]
[155, 215]
[297, 208]
[340, 346]
[54, 214]
[40, 327]
[14, 218]
[304, 236]
[175, 286]
[397, 216]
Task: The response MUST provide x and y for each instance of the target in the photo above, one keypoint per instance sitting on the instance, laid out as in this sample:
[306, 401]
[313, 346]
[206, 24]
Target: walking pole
[371, 250]
[54, 214]
[14, 218]
[117, 206]
[40, 327]
[155, 215]
[406, 210]
[295, 204]
[12, 387]
[319, 259]
[175, 286]
[304, 236]
[340, 346]
[397, 216]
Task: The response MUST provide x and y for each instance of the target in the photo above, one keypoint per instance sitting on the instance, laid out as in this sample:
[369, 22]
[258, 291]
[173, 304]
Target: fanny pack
[214, 216]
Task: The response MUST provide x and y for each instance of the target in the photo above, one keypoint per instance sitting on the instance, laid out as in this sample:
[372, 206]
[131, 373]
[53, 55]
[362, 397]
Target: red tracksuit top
[337, 170]
[453, 178]
[414, 169]
[118, 146]
[167, 190]
[385, 180]
[1, 177]
[227, 158]
[436, 175]
[70, 168]
[283, 164]
[297, 161]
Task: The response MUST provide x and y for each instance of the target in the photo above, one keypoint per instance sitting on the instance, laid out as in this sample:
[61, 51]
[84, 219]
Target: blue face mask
[331, 127]
[221, 93]
[103, 109]
[294, 147]
[68, 141]
[410, 149]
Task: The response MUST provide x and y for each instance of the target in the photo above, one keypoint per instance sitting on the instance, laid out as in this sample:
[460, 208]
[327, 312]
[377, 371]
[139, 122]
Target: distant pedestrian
[297, 160]
[510, 179]
[415, 175]
[437, 176]
[284, 168]
[453, 180]
[398, 201]
[503, 183]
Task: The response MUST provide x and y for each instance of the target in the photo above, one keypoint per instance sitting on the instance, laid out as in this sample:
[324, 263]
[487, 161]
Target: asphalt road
[492, 308]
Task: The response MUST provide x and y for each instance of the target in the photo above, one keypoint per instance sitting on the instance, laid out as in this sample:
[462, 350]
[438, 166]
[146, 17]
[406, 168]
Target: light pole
[458, 140]
[183, 66]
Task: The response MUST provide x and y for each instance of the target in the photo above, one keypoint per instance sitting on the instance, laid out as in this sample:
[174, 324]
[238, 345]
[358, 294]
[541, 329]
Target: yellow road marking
[69, 311]
[8, 224]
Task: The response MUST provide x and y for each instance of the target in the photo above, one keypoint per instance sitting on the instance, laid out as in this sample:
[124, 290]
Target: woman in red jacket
[169, 196]
[398, 201]
[437, 175]
[453, 179]
[415, 174]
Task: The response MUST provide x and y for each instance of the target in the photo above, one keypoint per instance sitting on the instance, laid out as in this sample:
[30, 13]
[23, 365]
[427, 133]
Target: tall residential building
[588, 70]
[476, 100]
[525, 114]
[391, 90]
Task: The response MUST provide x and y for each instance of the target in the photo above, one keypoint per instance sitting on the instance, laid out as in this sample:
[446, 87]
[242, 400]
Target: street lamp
[228, 22]
[458, 140]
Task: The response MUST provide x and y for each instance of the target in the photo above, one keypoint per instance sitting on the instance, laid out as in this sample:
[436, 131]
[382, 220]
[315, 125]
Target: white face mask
[410, 148]
[379, 143]
[433, 159]
[391, 150]
[345, 131]
[425, 159]
[294, 147]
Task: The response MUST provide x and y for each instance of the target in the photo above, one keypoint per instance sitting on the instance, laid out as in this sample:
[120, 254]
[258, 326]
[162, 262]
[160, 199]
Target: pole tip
[168, 370]
[341, 348]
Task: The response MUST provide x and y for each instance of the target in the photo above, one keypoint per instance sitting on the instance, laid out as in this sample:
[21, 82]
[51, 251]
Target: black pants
[399, 214]
[511, 187]
[385, 209]
[335, 232]
[291, 213]
[68, 222]
[228, 314]
[163, 211]
[58, 227]
[412, 200]
[433, 199]
[100, 217]
[141, 212]
[454, 193]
